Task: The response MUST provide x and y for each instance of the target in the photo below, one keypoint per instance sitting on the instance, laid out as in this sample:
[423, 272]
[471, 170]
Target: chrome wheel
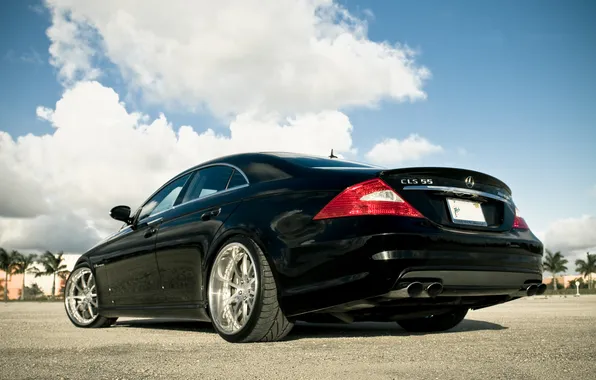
[80, 296]
[233, 285]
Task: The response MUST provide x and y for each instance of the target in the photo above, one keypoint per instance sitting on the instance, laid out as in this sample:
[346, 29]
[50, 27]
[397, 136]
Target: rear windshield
[321, 162]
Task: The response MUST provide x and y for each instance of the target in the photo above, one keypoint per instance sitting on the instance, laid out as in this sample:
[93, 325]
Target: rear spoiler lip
[450, 173]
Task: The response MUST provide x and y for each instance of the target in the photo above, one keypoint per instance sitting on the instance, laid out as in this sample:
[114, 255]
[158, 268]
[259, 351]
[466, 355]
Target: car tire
[71, 296]
[266, 321]
[434, 323]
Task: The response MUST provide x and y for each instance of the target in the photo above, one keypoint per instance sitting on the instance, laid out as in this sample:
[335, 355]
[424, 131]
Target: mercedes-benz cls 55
[255, 242]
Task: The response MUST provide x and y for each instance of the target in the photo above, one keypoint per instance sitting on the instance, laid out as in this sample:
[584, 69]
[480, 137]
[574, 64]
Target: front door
[128, 264]
[128, 260]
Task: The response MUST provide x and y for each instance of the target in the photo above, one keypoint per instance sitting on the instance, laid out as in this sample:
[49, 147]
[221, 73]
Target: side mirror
[121, 213]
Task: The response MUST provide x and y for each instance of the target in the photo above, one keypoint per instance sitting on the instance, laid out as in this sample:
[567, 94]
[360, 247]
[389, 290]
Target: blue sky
[513, 84]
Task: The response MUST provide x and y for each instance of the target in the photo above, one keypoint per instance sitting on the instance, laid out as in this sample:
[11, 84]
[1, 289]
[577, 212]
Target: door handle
[153, 227]
[210, 214]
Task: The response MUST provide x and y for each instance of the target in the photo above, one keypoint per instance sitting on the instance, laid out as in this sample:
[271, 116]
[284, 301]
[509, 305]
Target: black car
[255, 242]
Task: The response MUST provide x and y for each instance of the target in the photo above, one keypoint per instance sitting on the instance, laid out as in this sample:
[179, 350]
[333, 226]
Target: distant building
[567, 281]
[15, 285]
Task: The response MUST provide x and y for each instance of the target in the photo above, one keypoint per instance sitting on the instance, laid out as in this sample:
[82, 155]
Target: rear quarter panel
[278, 216]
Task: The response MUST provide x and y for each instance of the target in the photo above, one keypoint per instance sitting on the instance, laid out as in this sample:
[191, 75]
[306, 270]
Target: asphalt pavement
[533, 338]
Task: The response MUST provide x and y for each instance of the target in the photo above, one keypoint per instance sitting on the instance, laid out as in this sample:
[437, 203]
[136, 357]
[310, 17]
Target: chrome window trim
[224, 164]
[191, 172]
[459, 190]
[347, 168]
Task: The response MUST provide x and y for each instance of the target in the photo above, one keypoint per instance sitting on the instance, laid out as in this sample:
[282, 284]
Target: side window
[208, 181]
[236, 180]
[164, 199]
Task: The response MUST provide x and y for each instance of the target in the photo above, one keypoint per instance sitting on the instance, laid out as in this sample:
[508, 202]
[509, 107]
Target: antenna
[332, 155]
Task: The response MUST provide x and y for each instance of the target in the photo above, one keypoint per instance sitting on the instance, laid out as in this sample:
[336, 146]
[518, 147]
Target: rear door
[455, 198]
[186, 231]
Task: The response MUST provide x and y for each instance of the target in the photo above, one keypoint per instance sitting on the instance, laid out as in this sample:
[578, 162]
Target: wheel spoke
[230, 299]
[228, 282]
[245, 266]
[233, 285]
[220, 276]
[235, 252]
[244, 311]
[238, 311]
[236, 272]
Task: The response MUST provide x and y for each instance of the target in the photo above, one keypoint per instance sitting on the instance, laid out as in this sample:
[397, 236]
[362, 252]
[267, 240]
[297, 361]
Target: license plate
[466, 212]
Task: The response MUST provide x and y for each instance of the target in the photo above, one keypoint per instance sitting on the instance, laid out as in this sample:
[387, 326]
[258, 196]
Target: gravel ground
[526, 339]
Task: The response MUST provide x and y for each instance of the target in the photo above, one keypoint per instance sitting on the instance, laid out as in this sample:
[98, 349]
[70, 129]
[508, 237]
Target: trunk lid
[455, 198]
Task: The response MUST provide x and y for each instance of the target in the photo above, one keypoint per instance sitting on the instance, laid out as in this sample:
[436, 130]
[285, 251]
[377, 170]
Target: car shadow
[167, 324]
[372, 329]
[314, 330]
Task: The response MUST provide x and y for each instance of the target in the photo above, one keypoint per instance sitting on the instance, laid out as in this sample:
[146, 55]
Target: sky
[102, 102]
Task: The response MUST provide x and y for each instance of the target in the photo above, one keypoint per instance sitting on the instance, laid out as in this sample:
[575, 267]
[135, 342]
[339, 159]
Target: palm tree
[587, 267]
[4, 265]
[7, 264]
[53, 266]
[64, 276]
[34, 290]
[24, 264]
[554, 263]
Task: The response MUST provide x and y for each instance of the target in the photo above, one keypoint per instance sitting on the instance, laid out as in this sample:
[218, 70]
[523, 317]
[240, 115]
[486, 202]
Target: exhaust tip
[415, 288]
[540, 289]
[531, 290]
[434, 289]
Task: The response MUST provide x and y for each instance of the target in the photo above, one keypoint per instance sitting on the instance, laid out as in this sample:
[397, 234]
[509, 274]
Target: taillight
[519, 223]
[372, 197]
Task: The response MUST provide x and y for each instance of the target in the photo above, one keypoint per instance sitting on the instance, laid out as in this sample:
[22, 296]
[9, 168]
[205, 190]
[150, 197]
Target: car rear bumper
[328, 263]
[473, 274]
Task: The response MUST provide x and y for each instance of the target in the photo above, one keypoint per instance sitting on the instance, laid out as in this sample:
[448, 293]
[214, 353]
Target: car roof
[272, 165]
[292, 157]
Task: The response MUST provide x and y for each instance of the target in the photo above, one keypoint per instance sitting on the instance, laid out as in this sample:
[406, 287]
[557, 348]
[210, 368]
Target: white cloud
[62, 230]
[71, 48]
[20, 192]
[277, 71]
[233, 56]
[572, 235]
[100, 155]
[393, 151]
